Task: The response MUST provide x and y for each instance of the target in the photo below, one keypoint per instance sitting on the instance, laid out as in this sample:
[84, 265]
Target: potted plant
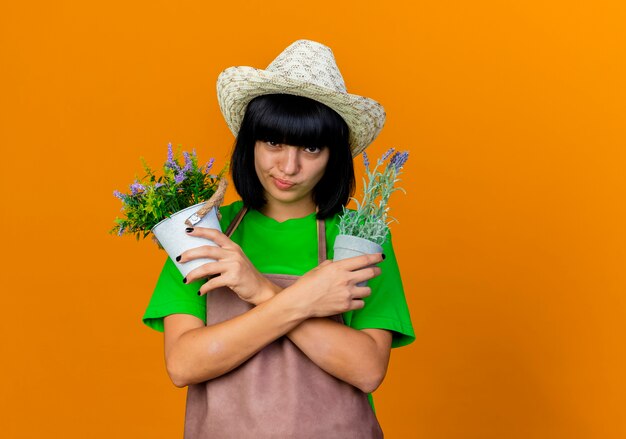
[365, 229]
[184, 195]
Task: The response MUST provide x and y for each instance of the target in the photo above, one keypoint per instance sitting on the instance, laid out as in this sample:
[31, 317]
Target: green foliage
[370, 219]
[153, 198]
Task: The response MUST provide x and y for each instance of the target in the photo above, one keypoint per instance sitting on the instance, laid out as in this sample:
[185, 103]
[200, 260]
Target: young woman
[274, 339]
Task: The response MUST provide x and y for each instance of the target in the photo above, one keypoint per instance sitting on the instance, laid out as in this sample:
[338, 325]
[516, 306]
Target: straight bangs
[297, 121]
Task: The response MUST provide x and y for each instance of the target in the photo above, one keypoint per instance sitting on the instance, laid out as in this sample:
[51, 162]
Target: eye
[313, 149]
[272, 143]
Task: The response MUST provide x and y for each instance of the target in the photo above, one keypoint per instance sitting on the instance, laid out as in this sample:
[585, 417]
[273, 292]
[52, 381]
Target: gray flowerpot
[347, 246]
[172, 236]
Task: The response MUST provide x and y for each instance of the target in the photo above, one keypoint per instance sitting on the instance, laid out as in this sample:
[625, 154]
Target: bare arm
[358, 357]
[196, 353]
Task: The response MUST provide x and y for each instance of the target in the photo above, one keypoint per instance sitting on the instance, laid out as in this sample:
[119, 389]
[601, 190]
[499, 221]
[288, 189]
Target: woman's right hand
[231, 268]
[331, 288]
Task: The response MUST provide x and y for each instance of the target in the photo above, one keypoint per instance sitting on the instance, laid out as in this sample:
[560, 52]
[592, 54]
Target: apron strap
[235, 222]
[321, 241]
[321, 233]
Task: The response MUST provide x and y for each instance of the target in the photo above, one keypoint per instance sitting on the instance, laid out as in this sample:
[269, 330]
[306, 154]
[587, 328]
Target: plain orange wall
[511, 237]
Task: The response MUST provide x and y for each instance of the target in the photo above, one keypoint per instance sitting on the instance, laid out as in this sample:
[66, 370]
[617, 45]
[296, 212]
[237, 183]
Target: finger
[205, 270]
[213, 234]
[357, 262]
[212, 284]
[357, 304]
[204, 251]
[361, 292]
[366, 273]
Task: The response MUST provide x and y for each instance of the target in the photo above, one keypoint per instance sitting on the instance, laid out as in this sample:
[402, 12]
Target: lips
[282, 184]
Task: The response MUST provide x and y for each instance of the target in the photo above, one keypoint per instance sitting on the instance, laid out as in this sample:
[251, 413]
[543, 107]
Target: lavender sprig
[209, 165]
[386, 155]
[171, 160]
[370, 218]
[136, 188]
[182, 173]
[399, 159]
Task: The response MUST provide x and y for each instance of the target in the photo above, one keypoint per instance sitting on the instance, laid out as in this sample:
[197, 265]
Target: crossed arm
[195, 352]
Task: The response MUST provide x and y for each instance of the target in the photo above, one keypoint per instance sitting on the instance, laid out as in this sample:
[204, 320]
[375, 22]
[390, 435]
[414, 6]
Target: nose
[290, 160]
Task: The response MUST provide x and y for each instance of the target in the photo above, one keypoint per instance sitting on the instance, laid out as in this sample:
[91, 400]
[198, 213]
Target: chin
[285, 198]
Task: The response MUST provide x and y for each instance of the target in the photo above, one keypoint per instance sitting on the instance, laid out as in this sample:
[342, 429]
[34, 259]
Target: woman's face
[289, 173]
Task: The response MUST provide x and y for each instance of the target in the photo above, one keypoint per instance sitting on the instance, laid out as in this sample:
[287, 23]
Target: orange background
[511, 241]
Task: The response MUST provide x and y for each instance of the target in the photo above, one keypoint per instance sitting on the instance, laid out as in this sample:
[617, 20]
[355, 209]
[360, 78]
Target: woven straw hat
[305, 68]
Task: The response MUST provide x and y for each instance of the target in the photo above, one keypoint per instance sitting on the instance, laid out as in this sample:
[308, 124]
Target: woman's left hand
[231, 268]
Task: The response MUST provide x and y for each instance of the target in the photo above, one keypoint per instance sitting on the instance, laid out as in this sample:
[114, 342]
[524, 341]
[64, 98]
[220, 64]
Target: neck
[283, 212]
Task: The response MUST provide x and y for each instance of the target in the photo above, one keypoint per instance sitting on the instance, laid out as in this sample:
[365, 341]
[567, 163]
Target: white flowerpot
[172, 236]
[347, 246]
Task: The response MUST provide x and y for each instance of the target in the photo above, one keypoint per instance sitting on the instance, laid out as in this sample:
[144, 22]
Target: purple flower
[136, 187]
[209, 166]
[188, 162]
[181, 174]
[120, 231]
[118, 194]
[171, 162]
[398, 160]
[366, 160]
[158, 185]
[170, 153]
[387, 154]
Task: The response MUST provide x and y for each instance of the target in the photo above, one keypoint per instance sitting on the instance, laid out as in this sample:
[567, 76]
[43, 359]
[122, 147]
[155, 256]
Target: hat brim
[237, 86]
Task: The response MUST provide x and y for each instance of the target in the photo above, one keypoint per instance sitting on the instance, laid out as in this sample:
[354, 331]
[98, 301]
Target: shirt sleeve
[171, 296]
[386, 308]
